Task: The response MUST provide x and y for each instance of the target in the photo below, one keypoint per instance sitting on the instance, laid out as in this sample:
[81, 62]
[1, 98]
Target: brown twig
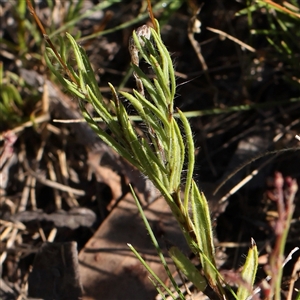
[230, 37]
[49, 42]
[53, 184]
[253, 160]
[281, 8]
[150, 11]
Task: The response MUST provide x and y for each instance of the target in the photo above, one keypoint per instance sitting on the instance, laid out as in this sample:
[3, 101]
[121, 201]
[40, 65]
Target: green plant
[15, 107]
[18, 100]
[19, 43]
[281, 23]
[161, 154]
[166, 149]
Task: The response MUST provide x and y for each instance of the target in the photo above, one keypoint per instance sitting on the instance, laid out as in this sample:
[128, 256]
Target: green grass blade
[156, 245]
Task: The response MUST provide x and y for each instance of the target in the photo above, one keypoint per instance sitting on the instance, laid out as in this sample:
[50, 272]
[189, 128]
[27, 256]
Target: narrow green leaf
[15, 94]
[202, 222]
[249, 272]
[191, 157]
[187, 268]
[181, 149]
[74, 89]
[151, 89]
[49, 53]
[159, 291]
[160, 97]
[161, 77]
[63, 49]
[171, 75]
[157, 247]
[152, 157]
[82, 82]
[108, 139]
[101, 109]
[140, 102]
[203, 232]
[90, 76]
[77, 52]
[174, 158]
[148, 268]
